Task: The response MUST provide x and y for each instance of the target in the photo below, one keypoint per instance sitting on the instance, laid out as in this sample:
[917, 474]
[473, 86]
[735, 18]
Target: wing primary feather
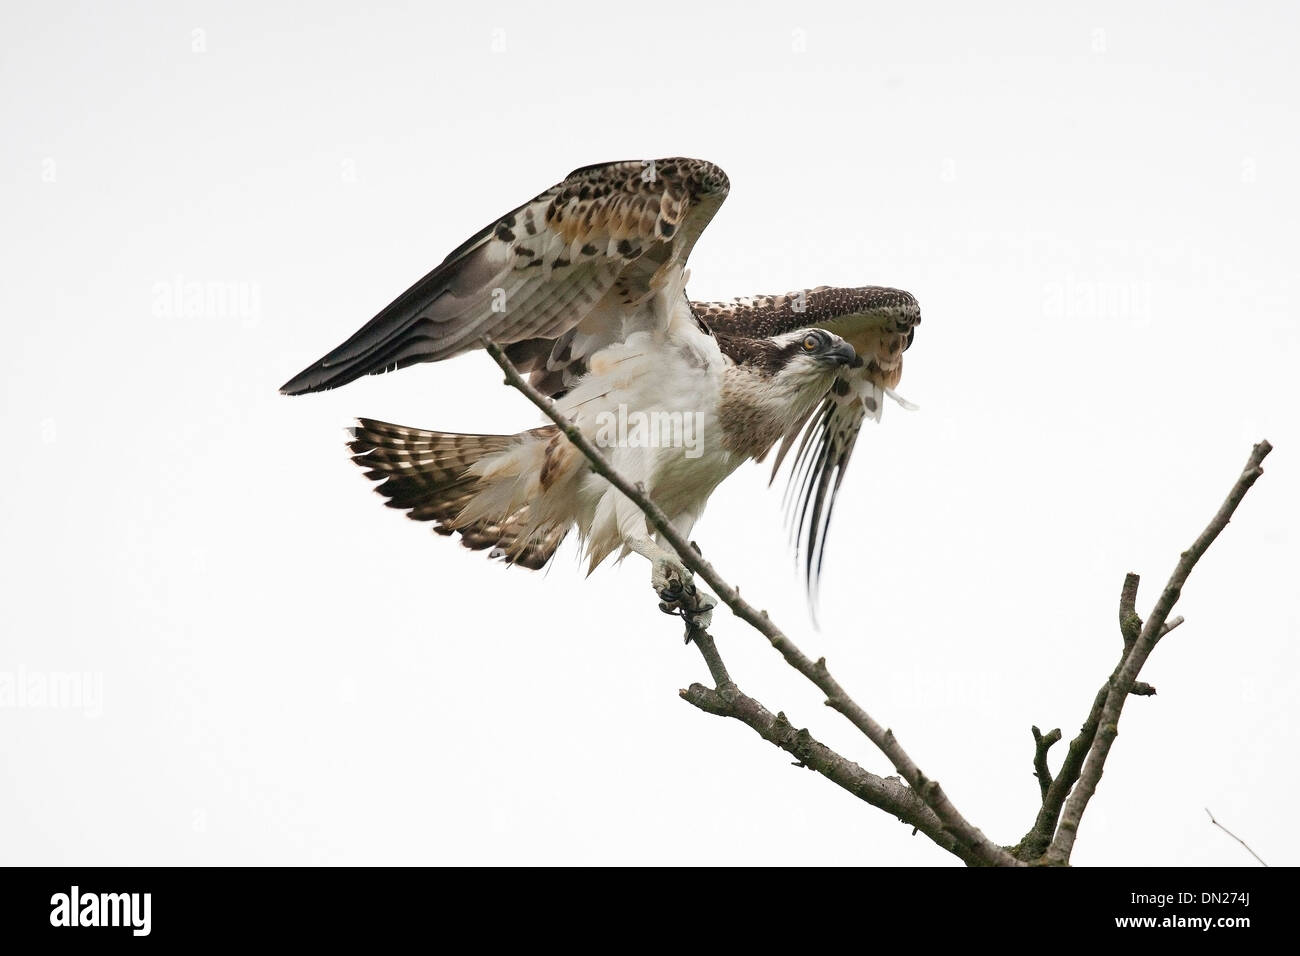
[788, 442]
[816, 474]
[799, 466]
[801, 502]
[816, 467]
[538, 271]
[815, 438]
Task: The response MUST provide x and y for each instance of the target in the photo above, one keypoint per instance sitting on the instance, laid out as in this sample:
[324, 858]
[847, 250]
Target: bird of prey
[584, 288]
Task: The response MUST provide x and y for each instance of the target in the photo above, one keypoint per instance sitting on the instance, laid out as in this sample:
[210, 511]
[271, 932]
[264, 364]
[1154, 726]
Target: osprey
[584, 288]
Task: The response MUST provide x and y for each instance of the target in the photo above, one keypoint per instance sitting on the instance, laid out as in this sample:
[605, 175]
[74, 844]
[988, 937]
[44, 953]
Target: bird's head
[776, 381]
[804, 356]
[810, 355]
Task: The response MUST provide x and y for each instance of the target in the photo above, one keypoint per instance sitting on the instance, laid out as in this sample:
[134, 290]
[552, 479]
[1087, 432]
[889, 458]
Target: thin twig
[982, 848]
[1235, 837]
[1034, 843]
[712, 659]
[1122, 682]
[1130, 624]
[1042, 744]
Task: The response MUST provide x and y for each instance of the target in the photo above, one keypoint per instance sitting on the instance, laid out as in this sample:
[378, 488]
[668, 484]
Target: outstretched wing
[879, 323]
[587, 252]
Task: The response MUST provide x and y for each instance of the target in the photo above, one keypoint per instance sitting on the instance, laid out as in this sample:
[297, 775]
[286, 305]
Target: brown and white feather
[584, 256]
[584, 287]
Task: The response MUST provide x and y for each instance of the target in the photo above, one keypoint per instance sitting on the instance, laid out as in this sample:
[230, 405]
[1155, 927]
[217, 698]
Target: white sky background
[1096, 209]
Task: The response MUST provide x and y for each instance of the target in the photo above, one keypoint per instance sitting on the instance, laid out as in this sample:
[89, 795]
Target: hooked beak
[843, 354]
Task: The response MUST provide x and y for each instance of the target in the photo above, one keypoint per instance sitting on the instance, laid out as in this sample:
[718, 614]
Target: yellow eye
[810, 343]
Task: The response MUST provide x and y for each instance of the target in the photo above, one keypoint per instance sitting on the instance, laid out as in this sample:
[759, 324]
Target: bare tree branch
[1130, 624]
[1122, 681]
[886, 793]
[1042, 744]
[982, 848]
[1234, 836]
[1035, 843]
[922, 803]
[703, 640]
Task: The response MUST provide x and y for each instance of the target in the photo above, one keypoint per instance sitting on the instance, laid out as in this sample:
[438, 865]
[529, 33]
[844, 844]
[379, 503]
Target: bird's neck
[757, 410]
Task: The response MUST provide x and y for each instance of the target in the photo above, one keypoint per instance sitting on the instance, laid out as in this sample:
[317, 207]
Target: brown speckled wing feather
[599, 242]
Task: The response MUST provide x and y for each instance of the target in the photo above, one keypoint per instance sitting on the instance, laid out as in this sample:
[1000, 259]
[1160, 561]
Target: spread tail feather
[432, 476]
